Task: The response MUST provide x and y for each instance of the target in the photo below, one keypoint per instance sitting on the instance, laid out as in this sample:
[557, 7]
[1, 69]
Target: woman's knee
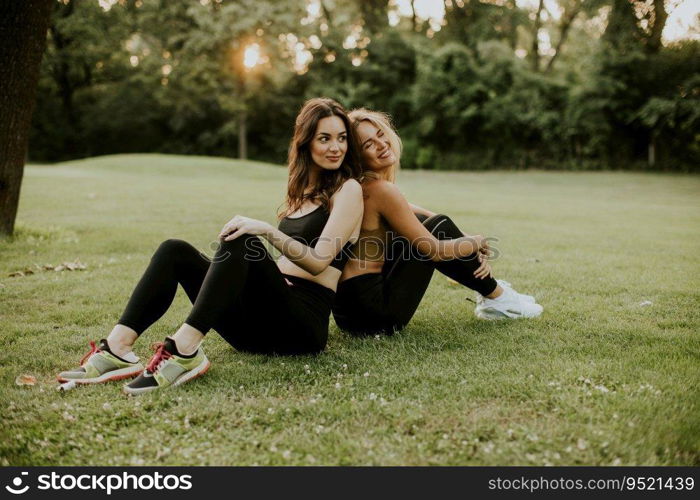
[246, 245]
[173, 247]
[437, 222]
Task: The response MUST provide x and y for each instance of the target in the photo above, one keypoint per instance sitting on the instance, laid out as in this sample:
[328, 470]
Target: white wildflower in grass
[602, 389]
[337, 385]
[306, 367]
[273, 448]
[581, 444]
[106, 406]
[488, 447]
[617, 461]
[510, 433]
[345, 367]
[533, 437]
[372, 396]
[366, 374]
[286, 454]
[377, 337]
[270, 411]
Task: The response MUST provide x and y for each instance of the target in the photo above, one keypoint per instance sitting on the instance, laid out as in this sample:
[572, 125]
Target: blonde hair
[383, 122]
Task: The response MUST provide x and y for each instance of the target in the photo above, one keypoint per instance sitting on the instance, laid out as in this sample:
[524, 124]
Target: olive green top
[371, 244]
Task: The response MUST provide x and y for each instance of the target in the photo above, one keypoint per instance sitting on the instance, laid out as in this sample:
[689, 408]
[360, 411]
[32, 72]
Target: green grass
[449, 389]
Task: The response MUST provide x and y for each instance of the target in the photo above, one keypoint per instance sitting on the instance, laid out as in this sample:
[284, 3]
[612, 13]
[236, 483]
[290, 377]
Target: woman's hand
[484, 270]
[244, 225]
[482, 244]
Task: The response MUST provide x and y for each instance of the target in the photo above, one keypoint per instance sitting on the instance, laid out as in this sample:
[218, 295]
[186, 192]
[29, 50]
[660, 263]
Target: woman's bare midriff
[328, 277]
[355, 267]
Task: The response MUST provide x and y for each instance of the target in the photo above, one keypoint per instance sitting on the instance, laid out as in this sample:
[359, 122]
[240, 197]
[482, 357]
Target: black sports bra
[307, 229]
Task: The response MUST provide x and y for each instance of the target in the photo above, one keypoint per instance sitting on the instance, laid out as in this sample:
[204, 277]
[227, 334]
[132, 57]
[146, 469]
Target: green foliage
[169, 77]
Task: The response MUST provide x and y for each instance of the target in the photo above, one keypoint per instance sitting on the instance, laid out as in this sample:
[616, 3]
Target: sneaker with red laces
[100, 365]
[169, 367]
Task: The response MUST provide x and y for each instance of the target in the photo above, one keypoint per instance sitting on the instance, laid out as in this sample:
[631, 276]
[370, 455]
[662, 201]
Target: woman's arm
[420, 210]
[398, 213]
[343, 224]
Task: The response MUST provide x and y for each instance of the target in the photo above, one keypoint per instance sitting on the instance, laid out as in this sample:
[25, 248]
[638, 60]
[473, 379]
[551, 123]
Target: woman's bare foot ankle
[496, 293]
[187, 339]
[121, 340]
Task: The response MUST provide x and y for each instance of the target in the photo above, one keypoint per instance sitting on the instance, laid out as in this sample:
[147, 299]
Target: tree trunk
[414, 18]
[566, 22]
[243, 135]
[535, 51]
[660, 17]
[23, 26]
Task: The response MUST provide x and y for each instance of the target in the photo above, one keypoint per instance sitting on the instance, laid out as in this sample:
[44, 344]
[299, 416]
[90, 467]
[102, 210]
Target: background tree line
[478, 88]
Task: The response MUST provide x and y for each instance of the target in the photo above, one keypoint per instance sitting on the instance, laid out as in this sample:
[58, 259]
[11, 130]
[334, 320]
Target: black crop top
[307, 229]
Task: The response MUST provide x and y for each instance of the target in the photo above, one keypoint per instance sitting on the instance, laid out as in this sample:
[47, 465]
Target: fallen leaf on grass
[76, 265]
[25, 380]
[72, 266]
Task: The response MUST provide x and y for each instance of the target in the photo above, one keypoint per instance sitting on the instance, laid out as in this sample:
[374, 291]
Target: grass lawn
[599, 379]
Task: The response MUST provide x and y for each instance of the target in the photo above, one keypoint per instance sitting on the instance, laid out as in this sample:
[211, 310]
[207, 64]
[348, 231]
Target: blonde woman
[382, 283]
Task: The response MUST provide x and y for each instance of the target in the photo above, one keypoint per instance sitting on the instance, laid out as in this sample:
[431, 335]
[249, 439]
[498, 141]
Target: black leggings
[383, 303]
[240, 292]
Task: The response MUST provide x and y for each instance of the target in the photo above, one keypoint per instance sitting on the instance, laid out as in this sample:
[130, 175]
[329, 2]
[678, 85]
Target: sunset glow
[251, 56]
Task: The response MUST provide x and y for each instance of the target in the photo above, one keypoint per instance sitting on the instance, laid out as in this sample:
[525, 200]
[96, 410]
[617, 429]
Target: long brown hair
[383, 122]
[300, 162]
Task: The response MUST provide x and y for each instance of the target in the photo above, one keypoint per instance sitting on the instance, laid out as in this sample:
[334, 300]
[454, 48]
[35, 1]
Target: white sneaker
[528, 298]
[510, 305]
[504, 284]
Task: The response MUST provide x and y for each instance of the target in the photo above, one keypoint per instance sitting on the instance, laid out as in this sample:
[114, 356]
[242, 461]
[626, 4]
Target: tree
[23, 28]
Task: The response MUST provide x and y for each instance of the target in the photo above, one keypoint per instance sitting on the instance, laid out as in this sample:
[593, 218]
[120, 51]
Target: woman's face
[330, 143]
[375, 148]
